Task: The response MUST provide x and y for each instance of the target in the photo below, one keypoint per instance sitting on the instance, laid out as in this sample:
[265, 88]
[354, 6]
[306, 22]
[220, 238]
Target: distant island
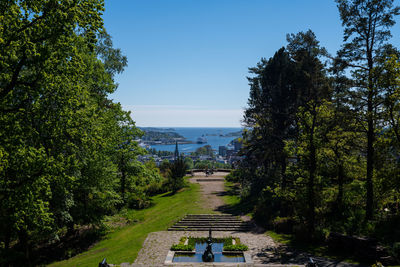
[156, 137]
[233, 134]
[156, 129]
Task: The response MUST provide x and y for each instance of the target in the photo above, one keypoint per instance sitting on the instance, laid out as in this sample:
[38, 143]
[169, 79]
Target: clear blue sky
[188, 59]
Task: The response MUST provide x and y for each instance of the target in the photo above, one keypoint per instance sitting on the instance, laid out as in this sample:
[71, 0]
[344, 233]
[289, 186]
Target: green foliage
[181, 247]
[67, 154]
[239, 247]
[366, 33]
[159, 153]
[158, 136]
[227, 243]
[124, 244]
[207, 164]
[204, 151]
[396, 250]
[321, 145]
[189, 163]
[175, 174]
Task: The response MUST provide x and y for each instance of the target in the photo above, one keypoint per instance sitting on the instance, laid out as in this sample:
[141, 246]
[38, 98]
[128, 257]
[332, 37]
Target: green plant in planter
[181, 247]
[227, 241]
[238, 247]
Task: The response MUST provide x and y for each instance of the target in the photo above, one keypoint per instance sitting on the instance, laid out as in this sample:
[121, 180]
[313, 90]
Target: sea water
[192, 133]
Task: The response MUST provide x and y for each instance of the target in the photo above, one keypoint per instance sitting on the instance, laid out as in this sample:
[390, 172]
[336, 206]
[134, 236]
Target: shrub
[238, 247]
[181, 247]
[155, 188]
[283, 225]
[228, 244]
[396, 250]
[137, 200]
[175, 175]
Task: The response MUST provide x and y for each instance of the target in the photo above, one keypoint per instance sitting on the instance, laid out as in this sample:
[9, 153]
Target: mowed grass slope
[124, 244]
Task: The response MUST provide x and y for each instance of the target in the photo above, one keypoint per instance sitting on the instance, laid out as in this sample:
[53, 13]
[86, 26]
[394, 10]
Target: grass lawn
[232, 199]
[123, 244]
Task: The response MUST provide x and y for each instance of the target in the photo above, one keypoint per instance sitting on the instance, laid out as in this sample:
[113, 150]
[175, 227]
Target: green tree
[189, 163]
[366, 31]
[314, 87]
[272, 103]
[204, 150]
[176, 173]
[63, 142]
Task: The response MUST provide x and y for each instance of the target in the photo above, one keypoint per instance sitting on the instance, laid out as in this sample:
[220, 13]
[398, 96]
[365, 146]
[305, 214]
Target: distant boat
[201, 140]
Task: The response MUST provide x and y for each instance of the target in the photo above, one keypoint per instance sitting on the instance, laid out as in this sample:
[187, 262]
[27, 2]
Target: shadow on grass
[69, 245]
[241, 208]
[169, 194]
[235, 206]
[293, 250]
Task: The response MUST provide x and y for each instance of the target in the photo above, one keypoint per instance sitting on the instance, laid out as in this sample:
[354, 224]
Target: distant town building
[205, 157]
[176, 154]
[230, 153]
[220, 159]
[237, 144]
[222, 151]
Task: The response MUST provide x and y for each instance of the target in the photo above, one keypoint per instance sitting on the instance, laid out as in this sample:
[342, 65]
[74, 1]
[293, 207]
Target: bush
[137, 200]
[231, 177]
[396, 250]
[283, 225]
[155, 188]
[238, 247]
[181, 247]
[175, 175]
[301, 232]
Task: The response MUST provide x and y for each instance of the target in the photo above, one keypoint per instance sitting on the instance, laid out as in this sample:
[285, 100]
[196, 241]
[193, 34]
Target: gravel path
[211, 189]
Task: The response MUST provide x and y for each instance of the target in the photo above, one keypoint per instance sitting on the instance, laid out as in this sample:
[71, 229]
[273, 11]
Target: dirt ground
[211, 189]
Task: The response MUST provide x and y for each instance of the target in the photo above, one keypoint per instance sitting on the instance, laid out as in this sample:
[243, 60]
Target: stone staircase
[215, 222]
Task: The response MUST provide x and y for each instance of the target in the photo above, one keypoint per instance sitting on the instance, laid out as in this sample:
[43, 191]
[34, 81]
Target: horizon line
[189, 126]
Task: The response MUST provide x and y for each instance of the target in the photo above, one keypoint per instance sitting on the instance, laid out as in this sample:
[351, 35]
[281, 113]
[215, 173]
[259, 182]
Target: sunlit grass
[233, 201]
[123, 244]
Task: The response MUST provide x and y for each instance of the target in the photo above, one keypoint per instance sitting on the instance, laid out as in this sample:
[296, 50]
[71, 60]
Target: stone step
[206, 227]
[208, 222]
[212, 222]
[210, 216]
[215, 222]
[212, 227]
[205, 220]
[238, 229]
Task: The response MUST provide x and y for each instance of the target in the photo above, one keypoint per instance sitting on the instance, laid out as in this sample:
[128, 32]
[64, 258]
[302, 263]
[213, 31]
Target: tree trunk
[313, 167]
[283, 170]
[311, 197]
[370, 163]
[339, 199]
[23, 240]
[370, 144]
[7, 240]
